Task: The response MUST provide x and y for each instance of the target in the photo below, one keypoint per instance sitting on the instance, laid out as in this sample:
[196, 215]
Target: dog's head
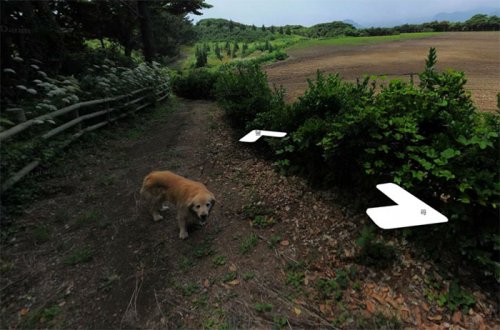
[201, 206]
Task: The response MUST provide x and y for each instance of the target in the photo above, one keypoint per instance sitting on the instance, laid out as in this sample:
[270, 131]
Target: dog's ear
[212, 201]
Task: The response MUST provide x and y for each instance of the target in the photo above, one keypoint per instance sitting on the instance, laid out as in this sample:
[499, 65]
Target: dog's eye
[198, 206]
[208, 204]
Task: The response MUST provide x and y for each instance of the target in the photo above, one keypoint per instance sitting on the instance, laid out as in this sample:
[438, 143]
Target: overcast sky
[364, 12]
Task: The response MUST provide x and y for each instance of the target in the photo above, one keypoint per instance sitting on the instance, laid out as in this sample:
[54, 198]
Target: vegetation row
[427, 137]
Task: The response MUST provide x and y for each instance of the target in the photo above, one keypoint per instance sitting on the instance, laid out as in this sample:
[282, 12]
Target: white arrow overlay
[409, 212]
[256, 134]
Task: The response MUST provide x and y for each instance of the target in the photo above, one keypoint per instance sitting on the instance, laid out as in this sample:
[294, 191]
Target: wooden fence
[109, 108]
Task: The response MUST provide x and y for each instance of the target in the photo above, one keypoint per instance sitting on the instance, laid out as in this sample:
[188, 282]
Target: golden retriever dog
[189, 197]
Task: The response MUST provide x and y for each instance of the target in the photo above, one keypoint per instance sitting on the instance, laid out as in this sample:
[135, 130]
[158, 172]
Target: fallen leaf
[370, 307]
[233, 267]
[285, 243]
[435, 318]
[380, 299]
[418, 317]
[24, 311]
[392, 302]
[234, 282]
[297, 311]
[457, 317]
[300, 302]
[206, 283]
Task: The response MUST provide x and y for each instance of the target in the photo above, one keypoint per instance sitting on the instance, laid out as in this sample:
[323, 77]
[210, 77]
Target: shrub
[108, 80]
[196, 84]
[427, 138]
[373, 252]
[242, 92]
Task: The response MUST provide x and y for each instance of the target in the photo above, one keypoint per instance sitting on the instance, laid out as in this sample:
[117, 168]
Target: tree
[217, 52]
[263, 27]
[288, 31]
[174, 7]
[146, 31]
[201, 56]
[281, 31]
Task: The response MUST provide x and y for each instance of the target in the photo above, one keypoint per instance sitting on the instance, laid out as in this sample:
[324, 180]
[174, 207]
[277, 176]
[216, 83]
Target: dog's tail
[153, 182]
[147, 184]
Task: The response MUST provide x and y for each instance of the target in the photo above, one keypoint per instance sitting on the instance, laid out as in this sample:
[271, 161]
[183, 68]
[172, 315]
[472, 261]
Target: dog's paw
[157, 217]
[183, 235]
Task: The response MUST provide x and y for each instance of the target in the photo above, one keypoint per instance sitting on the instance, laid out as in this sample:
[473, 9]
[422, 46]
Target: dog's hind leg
[181, 221]
[155, 204]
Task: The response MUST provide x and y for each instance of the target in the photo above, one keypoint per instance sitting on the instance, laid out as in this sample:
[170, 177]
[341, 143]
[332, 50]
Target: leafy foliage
[427, 137]
[242, 91]
[195, 84]
[373, 252]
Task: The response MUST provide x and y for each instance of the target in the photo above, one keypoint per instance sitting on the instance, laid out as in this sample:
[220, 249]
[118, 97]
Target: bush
[427, 138]
[109, 80]
[196, 84]
[242, 92]
[373, 252]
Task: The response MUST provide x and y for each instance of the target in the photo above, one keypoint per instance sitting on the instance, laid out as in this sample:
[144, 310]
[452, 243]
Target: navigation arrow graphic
[256, 134]
[409, 212]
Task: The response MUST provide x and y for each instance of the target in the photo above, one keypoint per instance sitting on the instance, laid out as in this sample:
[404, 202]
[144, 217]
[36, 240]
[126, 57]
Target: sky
[364, 12]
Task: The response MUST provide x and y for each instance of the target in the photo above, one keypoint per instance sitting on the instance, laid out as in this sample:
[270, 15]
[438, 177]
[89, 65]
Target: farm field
[475, 53]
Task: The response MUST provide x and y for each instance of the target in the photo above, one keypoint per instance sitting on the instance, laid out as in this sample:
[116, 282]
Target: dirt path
[475, 53]
[276, 254]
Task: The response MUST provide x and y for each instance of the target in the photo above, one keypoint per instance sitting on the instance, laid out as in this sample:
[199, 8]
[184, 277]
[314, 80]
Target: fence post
[76, 114]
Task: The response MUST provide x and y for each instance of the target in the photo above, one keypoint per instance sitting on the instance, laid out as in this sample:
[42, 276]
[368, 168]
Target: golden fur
[187, 196]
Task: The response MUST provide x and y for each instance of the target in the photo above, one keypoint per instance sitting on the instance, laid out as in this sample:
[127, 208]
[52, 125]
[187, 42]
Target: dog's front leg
[181, 221]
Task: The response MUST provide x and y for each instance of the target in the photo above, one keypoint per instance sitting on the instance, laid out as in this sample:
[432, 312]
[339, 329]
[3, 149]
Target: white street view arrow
[409, 212]
[256, 134]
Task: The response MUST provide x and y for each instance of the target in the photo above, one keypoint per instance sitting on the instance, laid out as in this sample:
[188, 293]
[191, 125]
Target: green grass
[248, 244]
[263, 307]
[41, 234]
[348, 41]
[78, 256]
[219, 261]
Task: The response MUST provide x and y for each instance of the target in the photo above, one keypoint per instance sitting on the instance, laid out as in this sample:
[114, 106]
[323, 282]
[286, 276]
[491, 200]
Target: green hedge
[195, 84]
[428, 138]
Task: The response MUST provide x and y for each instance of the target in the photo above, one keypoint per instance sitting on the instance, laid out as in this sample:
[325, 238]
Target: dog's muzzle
[203, 219]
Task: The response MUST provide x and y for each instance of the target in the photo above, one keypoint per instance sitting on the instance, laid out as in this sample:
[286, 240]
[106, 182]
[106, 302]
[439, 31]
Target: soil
[477, 54]
[85, 254]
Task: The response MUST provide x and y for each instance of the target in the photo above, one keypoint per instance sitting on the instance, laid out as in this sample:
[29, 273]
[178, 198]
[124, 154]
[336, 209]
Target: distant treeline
[221, 29]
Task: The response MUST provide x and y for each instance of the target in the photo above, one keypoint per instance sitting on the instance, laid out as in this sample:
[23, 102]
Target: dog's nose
[203, 217]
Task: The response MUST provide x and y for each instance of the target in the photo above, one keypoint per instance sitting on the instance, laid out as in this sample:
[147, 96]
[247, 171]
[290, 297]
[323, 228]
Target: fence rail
[146, 97]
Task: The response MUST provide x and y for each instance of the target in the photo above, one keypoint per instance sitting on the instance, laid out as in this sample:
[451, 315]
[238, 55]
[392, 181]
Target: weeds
[263, 307]
[295, 274]
[372, 252]
[41, 234]
[248, 276]
[275, 239]
[78, 256]
[262, 221]
[248, 244]
[219, 261]
[231, 276]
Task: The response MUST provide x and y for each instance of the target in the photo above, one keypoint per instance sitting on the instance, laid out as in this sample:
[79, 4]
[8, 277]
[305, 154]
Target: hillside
[218, 29]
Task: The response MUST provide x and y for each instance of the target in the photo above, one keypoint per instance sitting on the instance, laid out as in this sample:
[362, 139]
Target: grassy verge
[348, 41]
